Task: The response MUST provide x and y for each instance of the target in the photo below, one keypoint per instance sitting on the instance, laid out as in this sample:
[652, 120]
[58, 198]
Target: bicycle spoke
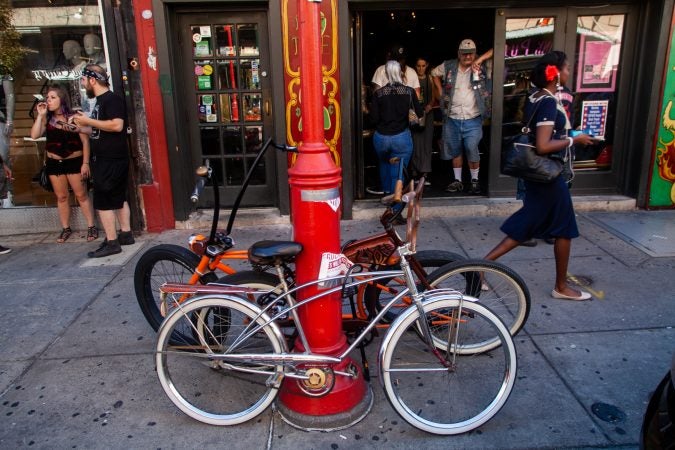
[456, 398]
[195, 377]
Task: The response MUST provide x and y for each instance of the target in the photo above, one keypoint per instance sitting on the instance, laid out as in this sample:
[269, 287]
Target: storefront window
[60, 40]
[527, 40]
[597, 58]
[591, 95]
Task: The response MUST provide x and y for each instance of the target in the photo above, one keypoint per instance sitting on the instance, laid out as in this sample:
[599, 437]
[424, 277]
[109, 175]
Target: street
[77, 368]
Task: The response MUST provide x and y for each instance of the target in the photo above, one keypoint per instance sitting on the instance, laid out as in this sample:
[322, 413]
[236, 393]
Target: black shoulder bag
[521, 160]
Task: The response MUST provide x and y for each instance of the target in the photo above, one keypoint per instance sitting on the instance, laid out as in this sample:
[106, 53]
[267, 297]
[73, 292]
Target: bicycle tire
[430, 260]
[437, 399]
[265, 281]
[507, 295]
[161, 264]
[203, 386]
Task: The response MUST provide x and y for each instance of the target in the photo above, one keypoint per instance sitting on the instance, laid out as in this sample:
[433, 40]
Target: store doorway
[434, 34]
[225, 101]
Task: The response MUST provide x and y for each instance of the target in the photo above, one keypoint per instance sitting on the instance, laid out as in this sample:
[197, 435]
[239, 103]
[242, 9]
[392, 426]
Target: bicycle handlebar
[199, 187]
[261, 153]
[205, 173]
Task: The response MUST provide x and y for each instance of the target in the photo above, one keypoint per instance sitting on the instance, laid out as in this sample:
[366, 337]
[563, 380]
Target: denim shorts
[63, 166]
[462, 136]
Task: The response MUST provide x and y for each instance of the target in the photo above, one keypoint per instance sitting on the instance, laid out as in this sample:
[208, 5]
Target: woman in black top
[67, 150]
[392, 137]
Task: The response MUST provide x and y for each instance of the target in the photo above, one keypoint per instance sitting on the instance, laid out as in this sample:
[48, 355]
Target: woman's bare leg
[80, 191]
[561, 250]
[506, 245]
[60, 185]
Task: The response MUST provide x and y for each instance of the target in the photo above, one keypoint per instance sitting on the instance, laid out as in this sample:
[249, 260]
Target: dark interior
[435, 35]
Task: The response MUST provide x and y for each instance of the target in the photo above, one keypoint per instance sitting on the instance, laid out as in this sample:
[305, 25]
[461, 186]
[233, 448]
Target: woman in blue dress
[547, 211]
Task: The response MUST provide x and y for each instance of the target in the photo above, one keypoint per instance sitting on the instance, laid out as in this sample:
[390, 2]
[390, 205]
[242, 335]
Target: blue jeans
[460, 136]
[392, 146]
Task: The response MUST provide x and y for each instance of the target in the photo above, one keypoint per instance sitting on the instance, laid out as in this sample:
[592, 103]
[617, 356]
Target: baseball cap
[467, 46]
[398, 52]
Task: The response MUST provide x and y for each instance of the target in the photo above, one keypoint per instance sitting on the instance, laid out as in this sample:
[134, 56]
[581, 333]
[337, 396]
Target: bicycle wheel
[161, 264]
[199, 383]
[450, 393]
[378, 295]
[494, 285]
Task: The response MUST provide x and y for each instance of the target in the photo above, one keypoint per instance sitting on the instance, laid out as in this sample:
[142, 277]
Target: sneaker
[475, 186]
[374, 191]
[107, 248]
[125, 237]
[4, 250]
[455, 186]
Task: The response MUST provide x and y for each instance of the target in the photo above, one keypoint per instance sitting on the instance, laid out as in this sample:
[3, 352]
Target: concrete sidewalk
[76, 365]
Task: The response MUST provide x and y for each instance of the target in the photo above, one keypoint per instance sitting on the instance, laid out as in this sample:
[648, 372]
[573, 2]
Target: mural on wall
[331, 82]
[662, 184]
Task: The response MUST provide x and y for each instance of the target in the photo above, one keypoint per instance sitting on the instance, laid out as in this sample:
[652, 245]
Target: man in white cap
[465, 94]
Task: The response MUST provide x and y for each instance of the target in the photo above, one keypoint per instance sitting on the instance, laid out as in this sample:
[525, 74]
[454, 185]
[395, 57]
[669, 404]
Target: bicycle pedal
[274, 381]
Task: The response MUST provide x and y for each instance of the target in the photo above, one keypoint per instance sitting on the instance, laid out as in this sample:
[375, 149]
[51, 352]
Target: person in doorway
[67, 161]
[464, 88]
[408, 74]
[110, 160]
[547, 210]
[423, 139]
[392, 139]
[6, 127]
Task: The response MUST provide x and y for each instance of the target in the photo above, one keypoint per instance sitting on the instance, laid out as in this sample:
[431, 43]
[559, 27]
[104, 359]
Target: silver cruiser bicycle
[433, 362]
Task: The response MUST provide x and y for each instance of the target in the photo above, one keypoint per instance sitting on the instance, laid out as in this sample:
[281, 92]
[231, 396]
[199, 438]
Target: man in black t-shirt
[109, 161]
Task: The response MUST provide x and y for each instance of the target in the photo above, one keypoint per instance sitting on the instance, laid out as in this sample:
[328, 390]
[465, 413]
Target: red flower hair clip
[551, 72]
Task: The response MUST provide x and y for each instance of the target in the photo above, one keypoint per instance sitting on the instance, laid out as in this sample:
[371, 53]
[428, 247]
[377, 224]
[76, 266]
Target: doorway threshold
[487, 206]
[202, 218]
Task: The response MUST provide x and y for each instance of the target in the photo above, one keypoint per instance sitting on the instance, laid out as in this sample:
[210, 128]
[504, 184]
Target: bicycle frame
[307, 356]
[376, 251]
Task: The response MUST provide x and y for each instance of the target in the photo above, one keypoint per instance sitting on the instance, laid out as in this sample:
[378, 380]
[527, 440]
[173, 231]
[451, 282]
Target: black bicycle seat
[273, 252]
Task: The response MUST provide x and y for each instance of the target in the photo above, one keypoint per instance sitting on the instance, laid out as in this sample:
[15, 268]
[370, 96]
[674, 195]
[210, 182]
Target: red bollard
[328, 401]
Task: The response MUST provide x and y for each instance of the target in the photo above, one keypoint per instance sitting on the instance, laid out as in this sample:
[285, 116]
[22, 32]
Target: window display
[598, 55]
[590, 99]
[60, 41]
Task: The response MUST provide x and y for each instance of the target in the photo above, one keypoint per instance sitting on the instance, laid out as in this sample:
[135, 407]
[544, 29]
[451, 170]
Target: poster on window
[594, 117]
[598, 59]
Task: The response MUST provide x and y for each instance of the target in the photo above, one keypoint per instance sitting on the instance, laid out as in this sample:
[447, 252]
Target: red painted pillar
[157, 197]
[315, 196]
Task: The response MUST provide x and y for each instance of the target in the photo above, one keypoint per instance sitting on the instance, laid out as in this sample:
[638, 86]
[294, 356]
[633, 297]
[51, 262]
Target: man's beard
[90, 92]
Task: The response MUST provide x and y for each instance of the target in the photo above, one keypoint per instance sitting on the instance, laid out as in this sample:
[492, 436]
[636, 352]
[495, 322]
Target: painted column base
[328, 422]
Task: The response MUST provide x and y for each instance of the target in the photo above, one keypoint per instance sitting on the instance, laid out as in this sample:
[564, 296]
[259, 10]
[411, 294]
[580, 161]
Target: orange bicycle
[204, 257]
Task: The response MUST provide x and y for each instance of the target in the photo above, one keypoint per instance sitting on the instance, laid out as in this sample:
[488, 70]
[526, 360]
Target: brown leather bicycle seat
[273, 252]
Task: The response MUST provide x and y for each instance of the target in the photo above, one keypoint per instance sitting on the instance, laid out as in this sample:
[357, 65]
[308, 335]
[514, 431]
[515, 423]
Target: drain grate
[608, 413]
